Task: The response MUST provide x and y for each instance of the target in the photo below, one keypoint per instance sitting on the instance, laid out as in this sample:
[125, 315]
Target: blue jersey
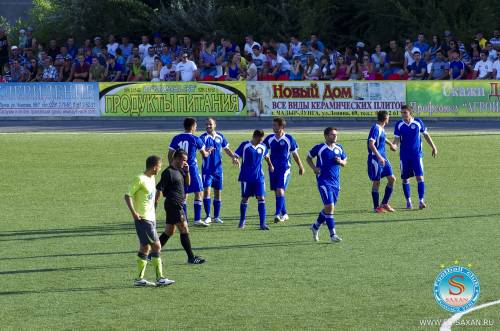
[325, 161]
[281, 150]
[190, 143]
[409, 135]
[377, 135]
[251, 164]
[212, 164]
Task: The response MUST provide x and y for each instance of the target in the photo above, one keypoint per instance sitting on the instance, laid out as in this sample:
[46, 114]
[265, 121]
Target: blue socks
[262, 212]
[421, 190]
[207, 204]
[406, 190]
[283, 207]
[197, 210]
[387, 194]
[375, 198]
[280, 204]
[320, 220]
[217, 208]
[243, 213]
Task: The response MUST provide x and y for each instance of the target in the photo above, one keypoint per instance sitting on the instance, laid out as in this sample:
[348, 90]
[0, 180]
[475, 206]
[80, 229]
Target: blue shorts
[329, 194]
[196, 184]
[279, 178]
[411, 167]
[376, 171]
[250, 189]
[213, 180]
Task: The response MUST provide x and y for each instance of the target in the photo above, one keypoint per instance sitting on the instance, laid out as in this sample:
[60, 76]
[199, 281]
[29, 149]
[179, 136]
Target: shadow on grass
[29, 271]
[67, 290]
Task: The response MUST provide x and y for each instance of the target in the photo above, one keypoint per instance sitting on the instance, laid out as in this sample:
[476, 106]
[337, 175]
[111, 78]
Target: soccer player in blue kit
[407, 134]
[211, 168]
[330, 157]
[281, 146]
[252, 152]
[378, 164]
[188, 142]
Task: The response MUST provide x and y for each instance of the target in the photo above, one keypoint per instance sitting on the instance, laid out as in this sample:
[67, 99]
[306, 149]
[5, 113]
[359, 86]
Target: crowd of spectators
[168, 59]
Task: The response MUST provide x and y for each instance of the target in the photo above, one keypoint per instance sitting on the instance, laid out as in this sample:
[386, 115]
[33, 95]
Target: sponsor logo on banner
[324, 98]
[49, 99]
[173, 99]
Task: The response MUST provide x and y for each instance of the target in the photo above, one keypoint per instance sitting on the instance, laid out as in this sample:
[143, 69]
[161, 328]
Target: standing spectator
[81, 70]
[440, 67]
[112, 45]
[208, 60]
[297, 70]
[281, 67]
[492, 53]
[53, 49]
[484, 68]
[353, 71]
[252, 72]
[418, 69]
[49, 71]
[378, 59]
[367, 69]
[304, 55]
[474, 53]
[421, 44]
[316, 53]
[495, 41]
[97, 49]
[457, 67]
[138, 72]
[72, 49]
[294, 47]
[4, 49]
[158, 44]
[258, 57]
[233, 71]
[314, 39]
[66, 70]
[187, 47]
[23, 39]
[395, 60]
[167, 73]
[186, 69]
[480, 40]
[249, 44]
[166, 56]
[175, 50]
[341, 69]
[311, 71]
[144, 46]
[435, 47]
[114, 71]
[409, 51]
[97, 71]
[148, 60]
[155, 73]
[280, 48]
[445, 46]
[126, 46]
[131, 57]
[496, 68]
[17, 73]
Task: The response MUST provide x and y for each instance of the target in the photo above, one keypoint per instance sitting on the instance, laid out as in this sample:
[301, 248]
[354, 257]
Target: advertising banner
[173, 99]
[324, 98]
[467, 98]
[49, 99]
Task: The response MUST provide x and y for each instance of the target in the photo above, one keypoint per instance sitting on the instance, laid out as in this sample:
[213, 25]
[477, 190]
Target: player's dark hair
[280, 121]
[329, 129]
[408, 108]
[189, 122]
[179, 153]
[382, 115]
[152, 161]
[259, 133]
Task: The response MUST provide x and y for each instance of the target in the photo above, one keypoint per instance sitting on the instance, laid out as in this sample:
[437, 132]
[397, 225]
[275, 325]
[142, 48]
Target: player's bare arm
[296, 157]
[393, 146]
[187, 176]
[269, 163]
[233, 157]
[343, 162]
[431, 143]
[130, 205]
[312, 166]
[371, 145]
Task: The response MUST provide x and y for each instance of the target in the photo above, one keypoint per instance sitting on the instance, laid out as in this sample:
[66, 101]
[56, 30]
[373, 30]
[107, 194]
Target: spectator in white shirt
[496, 68]
[149, 59]
[112, 45]
[186, 70]
[144, 46]
[249, 43]
[484, 68]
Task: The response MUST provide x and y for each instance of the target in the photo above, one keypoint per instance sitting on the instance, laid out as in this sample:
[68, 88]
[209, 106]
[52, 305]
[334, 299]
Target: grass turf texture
[68, 243]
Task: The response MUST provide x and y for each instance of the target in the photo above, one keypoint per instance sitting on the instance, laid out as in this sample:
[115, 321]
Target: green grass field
[68, 243]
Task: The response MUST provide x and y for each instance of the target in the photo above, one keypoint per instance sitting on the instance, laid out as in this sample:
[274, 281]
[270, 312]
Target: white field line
[446, 326]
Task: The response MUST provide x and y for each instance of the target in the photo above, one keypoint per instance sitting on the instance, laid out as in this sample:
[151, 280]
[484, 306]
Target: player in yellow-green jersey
[140, 200]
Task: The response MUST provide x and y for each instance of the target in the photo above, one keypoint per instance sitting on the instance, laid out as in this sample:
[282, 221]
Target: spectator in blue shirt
[440, 68]
[457, 67]
[421, 44]
[314, 39]
[418, 69]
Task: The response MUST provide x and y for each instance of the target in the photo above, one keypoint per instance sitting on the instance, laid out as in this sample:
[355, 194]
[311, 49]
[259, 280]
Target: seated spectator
[131, 58]
[378, 59]
[6, 73]
[114, 71]
[53, 49]
[297, 70]
[421, 44]
[138, 72]
[97, 71]
[166, 56]
[16, 54]
[126, 46]
[304, 55]
[66, 70]
[87, 45]
[492, 53]
[228, 49]
[4, 48]
[81, 70]
[311, 71]
[233, 70]
[208, 60]
[49, 71]
[435, 47]
[249, 44]
[316, 53]
[480, 40]
[360, 50]
[186, 70]
[258, 57]
[367, 69]
[427, 59]
[144, 46]
[280, 48]
[409, 51]
[418, 69]
[495, 41]
[280, 65]
[474, 53]
[395, 60]
[453, 48]
[315, 39]
[187, 47]
[251, 72]
[149, 59]
[294, 47]
[17, 72]
[333, 54]
[266, 72]
[484, 68]
[155, 73]
[112, 45]
[88, 57]
[158, 44]
[341, 69]
[440, 67]
[32, 68]
[496, 68]
[457, 67]
[167, 73]
[353, 71]
[98, 46]
[325, 68]
[175, 50]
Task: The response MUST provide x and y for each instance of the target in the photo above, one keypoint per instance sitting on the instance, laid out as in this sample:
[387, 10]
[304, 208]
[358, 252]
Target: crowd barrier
[470, 98]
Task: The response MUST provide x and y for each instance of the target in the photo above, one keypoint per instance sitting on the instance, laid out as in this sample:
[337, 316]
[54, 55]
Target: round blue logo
[456, 289]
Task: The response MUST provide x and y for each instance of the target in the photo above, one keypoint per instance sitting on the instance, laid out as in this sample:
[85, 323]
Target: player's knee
[376, 184]
[206, 193]
[244, 200]
[144, 249]
[156, 246]
[391, 179]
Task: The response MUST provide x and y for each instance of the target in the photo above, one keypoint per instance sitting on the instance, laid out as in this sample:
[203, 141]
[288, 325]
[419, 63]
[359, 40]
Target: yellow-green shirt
[143, 191]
